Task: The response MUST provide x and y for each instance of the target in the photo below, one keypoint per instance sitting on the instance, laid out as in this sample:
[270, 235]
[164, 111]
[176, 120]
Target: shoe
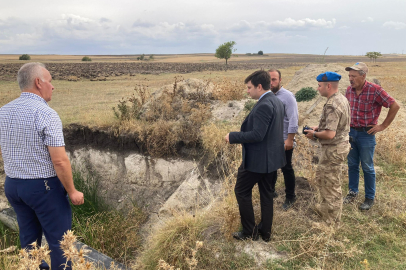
[367, 204]
[275, 195]
[242, 236]
[288, 203]
[266, 237]
[350, 198]
[43, 265]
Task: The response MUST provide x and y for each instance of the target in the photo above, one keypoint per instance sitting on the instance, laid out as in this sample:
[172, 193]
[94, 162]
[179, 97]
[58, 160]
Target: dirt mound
[306, 77]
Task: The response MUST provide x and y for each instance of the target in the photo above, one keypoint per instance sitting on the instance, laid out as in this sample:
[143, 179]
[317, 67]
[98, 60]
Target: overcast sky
[350, 27]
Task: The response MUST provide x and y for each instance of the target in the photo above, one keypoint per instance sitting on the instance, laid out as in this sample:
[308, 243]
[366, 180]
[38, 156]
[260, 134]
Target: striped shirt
[366, 108]
[27, 127]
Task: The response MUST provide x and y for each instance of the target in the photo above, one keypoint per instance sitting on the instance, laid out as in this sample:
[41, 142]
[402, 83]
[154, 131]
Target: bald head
[28, 73]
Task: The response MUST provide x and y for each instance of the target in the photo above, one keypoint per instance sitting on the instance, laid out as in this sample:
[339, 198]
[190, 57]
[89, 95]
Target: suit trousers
[246, 180]
[40, 209]
[288, 175]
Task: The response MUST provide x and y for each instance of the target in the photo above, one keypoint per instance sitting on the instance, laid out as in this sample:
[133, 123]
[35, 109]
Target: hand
[288, 144]
[227, 137]
[375, 129]
[76, 197]
[315, 128]
[309, 134]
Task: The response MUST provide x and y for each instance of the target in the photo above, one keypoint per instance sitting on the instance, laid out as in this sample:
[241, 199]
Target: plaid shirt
[27, 127]
[366, 108]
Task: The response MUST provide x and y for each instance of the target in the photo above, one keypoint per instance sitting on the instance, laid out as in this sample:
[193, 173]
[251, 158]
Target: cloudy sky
[350, 27]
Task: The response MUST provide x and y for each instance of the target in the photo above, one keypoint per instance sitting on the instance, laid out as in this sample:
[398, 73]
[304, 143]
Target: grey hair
[28, 73]
[361, 72]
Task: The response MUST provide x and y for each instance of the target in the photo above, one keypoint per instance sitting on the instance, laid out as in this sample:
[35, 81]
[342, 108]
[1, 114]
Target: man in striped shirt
[38, 172]
[366, 100]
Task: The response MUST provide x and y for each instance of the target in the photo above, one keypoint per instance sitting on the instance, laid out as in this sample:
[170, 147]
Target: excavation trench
[127, 175]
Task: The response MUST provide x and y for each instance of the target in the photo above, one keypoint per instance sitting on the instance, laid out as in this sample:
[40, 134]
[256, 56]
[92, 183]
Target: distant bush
[141, 57]
[260, 53]
[86, 58]
[151, 57]
[25, 57]
[305, 94]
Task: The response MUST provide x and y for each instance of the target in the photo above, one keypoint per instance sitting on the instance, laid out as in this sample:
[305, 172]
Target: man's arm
[261, 121]
[324, 135]
[292, 114]
[64, 172]
[289, 141]
[393, 110]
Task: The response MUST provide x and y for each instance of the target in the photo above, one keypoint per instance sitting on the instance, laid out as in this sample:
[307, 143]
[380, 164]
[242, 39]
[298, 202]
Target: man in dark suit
[263, 152]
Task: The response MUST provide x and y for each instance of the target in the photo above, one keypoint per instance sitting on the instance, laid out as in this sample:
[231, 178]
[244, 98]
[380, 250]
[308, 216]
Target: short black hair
[260, 77]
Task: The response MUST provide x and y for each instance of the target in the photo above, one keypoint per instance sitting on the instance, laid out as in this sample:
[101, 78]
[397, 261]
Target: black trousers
[288, 175]
[243, 191]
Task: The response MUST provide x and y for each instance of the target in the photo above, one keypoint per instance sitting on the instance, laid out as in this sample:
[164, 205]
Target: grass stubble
[365, 240]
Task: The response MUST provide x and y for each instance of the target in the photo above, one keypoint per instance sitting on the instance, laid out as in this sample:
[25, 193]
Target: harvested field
[103, 67]
[99, 71]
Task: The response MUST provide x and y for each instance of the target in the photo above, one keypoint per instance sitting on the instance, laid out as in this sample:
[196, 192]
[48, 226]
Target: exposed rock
[133, 177]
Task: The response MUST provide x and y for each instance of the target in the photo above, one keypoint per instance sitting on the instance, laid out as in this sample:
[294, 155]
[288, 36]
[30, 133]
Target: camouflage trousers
[328, 181]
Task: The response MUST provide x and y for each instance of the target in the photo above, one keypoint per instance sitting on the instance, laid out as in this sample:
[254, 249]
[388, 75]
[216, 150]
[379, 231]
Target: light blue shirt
[290, 121]
[27, 127]
[263, 95]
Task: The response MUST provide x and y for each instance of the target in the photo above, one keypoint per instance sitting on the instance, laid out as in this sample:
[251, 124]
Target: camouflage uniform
[335, 117]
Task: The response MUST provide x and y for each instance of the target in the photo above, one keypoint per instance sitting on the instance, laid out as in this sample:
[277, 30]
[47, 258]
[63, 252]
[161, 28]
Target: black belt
[361, 128]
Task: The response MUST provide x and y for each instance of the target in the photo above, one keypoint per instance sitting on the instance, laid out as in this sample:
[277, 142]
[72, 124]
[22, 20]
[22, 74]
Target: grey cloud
[139, 23]
[395, 25]
[104, 20]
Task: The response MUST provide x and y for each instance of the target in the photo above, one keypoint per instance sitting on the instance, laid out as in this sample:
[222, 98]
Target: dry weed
[30, 259]
[391, 144]
[172, 244]
[226, 89]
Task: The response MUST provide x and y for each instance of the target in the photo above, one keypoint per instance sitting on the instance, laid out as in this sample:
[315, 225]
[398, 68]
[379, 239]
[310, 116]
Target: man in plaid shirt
[39, 180]
[366, 100]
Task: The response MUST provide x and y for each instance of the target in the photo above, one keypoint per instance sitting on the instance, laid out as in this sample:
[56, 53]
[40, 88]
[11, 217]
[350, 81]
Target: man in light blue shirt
[290, 125]
[39, 179]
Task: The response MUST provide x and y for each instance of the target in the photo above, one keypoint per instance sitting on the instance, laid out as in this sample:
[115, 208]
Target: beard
[276, 88]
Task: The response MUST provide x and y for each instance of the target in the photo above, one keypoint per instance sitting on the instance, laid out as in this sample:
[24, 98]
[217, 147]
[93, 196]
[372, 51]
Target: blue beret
[328, 77]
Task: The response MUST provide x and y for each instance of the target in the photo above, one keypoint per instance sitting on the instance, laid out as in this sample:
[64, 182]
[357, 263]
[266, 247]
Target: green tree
[25, 57]
[373, 55]
[86, 58]
[141, 57]
[260, 53]
[224, 51]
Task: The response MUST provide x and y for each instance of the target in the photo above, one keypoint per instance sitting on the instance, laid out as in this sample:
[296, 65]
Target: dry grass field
[366, 240]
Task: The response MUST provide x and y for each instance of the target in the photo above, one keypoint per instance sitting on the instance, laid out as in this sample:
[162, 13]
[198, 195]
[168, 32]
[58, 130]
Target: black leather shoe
[367, 204]
[265, 236]
[242, 236]
[288, 203]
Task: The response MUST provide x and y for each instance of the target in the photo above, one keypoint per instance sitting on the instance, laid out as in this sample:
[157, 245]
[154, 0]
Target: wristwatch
[315, 137]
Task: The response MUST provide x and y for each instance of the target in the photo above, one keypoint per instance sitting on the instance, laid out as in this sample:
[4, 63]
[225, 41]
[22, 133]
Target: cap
[358, 66]
[328, 77]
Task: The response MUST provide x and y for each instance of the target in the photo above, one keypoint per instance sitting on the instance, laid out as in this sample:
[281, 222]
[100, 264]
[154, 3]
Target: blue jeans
[40, 210]
[362, 150]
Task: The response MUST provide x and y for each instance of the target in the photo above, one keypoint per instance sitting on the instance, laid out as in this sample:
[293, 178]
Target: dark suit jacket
[261, 136]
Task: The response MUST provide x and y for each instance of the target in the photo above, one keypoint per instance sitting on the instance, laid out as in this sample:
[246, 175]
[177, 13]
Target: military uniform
[335, 117]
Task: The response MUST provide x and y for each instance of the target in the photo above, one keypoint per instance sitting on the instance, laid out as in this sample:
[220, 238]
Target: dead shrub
[168, 119]
[130, 108]
[226, 89]
[391, 144]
